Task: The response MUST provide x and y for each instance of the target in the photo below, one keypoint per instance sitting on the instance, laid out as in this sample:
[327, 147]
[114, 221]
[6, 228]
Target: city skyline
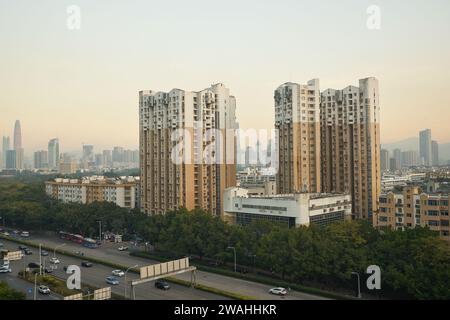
[66, 87]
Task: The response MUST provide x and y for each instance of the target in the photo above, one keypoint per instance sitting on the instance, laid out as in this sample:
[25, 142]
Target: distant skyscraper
[41, 159]
[11, 161]
[53, 154]
[410, 158]
[18, 145]
[434, 153]
[88, 153]
[425, 147]
[17, 136]
[350, 131]
[398, 159]
[5, 147]
[107, 158]
[384, 160]
[99, 162]
[117, 154]
[297, 119]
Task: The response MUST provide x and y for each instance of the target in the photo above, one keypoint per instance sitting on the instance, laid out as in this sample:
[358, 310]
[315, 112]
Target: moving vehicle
[25, 234]
[27, 252]
[112, 280]
[118, 273]
[22, 247]
[44, 253]
[86, 264]
[54, 260]
[5, 269]
[122, 248]
[33, 265]
[1, 245]
[162, 284]
[278, 291]
[44, 289]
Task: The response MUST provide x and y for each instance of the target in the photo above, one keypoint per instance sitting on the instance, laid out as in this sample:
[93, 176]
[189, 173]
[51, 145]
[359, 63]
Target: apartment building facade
[121, 191]
[350, 144]
[187, 148]
[411, 208]
[297, 115]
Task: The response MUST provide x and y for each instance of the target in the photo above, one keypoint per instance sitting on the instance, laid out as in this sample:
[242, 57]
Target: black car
[162, 284]
[23, 248]
[44, 270]
[86, 264]
[33, 265]
[27, 252]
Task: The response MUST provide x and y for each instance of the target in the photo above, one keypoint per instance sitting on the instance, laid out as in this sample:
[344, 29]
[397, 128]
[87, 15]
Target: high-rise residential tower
[179, 125]
[384, 160]
[297, 110]
[53, 154]
[425, 147]
[350, 131]
[434, 153]
[18, 145]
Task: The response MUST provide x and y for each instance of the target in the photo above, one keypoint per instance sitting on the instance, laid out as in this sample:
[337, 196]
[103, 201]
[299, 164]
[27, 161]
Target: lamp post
[135, 266]
[234, 250]
[359, 284]
[54, 250]
[40, 259]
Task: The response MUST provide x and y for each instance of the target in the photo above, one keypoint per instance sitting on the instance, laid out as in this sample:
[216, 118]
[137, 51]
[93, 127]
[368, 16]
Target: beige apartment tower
[297, 109]
[350, 144]
[187, 149]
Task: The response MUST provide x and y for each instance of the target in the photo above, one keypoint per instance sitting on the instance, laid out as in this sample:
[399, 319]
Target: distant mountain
[410, 144]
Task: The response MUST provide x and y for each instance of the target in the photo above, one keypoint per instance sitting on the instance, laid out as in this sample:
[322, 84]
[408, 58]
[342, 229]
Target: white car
[54, 260]
[122, 248]
[278, 291]
[44, 289]
[118, 273]
[5, 269]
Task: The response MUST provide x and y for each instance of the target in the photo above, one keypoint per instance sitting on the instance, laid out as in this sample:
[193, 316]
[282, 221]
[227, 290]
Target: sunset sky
[82, 85]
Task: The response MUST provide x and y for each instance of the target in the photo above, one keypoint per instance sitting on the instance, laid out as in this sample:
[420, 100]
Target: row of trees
[8, 293]
[414, 263]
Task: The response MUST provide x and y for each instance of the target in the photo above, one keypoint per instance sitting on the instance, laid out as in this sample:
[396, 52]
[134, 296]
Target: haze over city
[81, 85]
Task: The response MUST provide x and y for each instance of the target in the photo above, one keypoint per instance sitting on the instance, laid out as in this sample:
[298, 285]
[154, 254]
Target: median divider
[220, 292]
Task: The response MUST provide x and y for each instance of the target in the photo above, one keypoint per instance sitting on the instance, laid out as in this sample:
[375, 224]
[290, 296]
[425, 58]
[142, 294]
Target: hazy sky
[82, 85]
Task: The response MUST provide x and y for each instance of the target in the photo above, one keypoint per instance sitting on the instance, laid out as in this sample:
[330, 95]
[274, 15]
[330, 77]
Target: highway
[96, 275]
[108, 252]
[24, 286]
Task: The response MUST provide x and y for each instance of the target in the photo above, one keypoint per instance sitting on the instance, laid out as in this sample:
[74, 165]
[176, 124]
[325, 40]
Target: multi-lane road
[96, 276]
[108, 252]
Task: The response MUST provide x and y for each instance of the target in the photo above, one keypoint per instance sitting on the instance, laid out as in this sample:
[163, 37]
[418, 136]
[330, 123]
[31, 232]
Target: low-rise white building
[291, 209]
[121, 191]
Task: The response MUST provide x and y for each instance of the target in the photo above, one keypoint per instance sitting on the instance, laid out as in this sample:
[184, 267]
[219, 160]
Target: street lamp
[40, 259]
[234, 249]
[54, 250]
[126, 278]
[359, 284]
